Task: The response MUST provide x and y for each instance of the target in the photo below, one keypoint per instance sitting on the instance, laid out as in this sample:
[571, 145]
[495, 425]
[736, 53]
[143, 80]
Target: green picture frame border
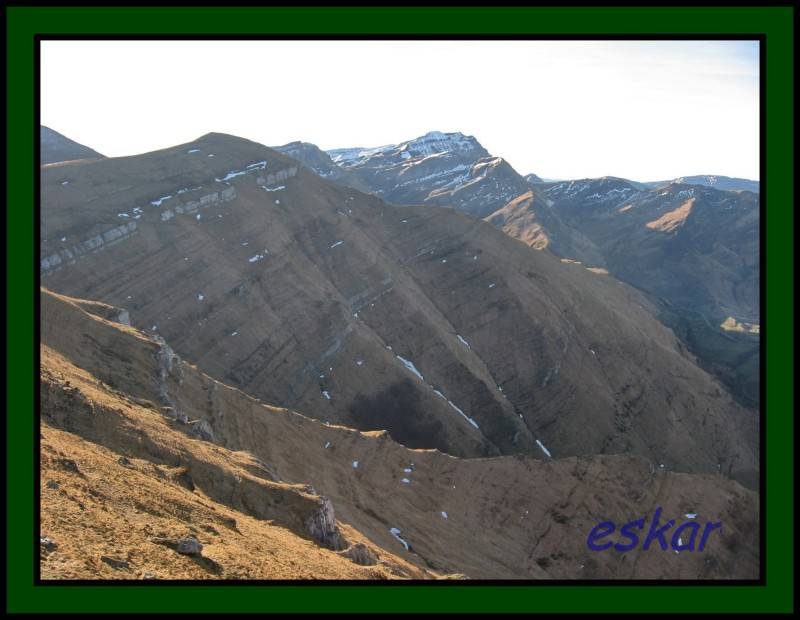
[775, 23]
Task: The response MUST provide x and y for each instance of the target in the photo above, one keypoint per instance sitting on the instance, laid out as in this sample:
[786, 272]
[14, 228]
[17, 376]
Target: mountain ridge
[270, 493]
[720, 182]
[257, 279]
[559, 217]
[445, 169]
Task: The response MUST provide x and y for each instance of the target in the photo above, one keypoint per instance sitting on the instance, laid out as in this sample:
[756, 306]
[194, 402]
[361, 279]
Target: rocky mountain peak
[313, 157]
[431, 144]
[438, 142]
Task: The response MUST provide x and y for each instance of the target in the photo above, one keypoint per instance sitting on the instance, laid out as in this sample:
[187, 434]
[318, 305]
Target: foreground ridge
[152, 469]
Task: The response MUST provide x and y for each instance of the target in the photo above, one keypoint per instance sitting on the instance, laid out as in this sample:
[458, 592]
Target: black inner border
[761, 38]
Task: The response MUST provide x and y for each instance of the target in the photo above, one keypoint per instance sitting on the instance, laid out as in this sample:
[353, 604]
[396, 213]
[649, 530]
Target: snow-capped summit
[358, 155]
[438, 142]
[432, 143]
[447, 169]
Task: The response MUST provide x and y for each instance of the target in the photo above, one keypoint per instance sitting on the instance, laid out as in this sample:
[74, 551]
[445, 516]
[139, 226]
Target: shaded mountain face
[319, 162]
[56, 147]
[695, 246]
[696, 294]
[422, 321]
[446, 169]
[733, 184]
[141, 450]
[693, 249]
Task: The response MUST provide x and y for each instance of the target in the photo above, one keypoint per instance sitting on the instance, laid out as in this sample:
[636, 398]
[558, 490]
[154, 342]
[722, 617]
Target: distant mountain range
[691, 243]
[717, 182]
[596, 221]
[732, 184]
[443, 169]
[532, 178]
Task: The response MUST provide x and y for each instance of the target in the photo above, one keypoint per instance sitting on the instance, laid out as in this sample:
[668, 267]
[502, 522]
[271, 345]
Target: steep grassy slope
[140, 448]
[120, 489]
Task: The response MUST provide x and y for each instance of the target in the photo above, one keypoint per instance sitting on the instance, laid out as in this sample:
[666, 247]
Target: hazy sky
[562, 109]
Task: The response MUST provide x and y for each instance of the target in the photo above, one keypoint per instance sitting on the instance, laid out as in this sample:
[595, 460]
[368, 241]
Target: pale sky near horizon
[643, 110]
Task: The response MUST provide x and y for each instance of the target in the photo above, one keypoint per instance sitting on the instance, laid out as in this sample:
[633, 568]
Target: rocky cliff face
[432, 143]
[128, 491]
[446, 169]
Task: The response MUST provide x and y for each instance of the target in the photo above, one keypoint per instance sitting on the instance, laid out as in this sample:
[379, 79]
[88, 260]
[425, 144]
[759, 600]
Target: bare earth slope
[141, 449]
[114, 511]
[422, 321]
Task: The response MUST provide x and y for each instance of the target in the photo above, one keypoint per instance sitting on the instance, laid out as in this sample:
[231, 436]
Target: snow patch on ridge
[411, 367]
[259, 165]
[396, 533]
[464, 415]
[545, 450]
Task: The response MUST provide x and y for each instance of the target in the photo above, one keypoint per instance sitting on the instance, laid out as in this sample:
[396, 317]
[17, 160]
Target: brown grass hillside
[141, 449]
